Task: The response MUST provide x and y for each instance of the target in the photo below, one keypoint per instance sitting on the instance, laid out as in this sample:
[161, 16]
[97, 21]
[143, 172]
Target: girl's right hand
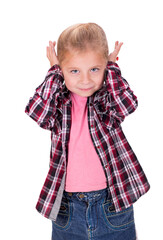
[51, 54]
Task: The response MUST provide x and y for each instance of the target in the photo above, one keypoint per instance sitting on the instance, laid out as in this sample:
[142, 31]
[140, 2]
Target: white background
[26, 28]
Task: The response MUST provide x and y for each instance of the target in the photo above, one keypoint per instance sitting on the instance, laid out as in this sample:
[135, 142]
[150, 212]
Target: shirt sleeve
[121, 98]
[42, 106]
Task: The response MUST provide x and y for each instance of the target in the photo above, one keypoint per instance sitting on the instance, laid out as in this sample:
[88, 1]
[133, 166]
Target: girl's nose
[85, 79]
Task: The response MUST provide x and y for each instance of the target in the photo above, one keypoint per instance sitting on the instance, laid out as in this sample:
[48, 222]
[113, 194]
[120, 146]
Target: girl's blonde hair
[81, 37]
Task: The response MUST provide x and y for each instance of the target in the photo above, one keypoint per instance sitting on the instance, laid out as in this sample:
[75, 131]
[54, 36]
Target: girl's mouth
[85, 89]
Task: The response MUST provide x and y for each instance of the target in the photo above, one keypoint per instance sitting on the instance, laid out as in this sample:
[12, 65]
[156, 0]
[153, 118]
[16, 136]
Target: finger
[120, 44]
[54, 43]
[118, 47]
[50, 44]
[116, 44]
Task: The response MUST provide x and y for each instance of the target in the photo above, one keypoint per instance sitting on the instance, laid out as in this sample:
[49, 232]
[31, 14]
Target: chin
[85, 94]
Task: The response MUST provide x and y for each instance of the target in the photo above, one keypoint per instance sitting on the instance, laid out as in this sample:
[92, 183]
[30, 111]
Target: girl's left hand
[113, 56]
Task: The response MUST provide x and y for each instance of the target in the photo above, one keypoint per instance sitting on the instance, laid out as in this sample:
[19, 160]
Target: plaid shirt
[50, 107]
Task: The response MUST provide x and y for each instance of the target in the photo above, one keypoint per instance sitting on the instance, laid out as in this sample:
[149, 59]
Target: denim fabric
[90, 215]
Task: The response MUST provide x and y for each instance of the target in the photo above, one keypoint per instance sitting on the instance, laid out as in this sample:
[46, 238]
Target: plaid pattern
[50, 107]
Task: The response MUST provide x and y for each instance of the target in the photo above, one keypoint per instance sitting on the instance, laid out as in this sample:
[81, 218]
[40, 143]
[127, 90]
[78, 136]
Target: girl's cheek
[68, 84]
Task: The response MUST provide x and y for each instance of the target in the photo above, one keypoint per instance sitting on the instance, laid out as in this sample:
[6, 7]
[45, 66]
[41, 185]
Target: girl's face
[83, 72]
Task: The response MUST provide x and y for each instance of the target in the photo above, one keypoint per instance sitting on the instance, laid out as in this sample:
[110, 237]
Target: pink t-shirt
[84, 170]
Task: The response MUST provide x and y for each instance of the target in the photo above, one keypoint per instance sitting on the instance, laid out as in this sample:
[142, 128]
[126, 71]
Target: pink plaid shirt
[50, 107]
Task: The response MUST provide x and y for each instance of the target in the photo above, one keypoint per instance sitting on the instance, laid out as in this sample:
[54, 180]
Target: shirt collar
[65, 94]
[100, 94]
[96, 97]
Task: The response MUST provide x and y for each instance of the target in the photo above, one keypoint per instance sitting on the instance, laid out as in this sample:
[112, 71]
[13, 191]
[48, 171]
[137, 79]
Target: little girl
[94, 176]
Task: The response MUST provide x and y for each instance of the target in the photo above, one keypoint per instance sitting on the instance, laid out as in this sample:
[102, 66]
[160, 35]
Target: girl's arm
[122, 100]
[42, 106]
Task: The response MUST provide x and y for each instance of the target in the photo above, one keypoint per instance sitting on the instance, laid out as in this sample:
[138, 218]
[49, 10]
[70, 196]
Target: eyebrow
[94, 66]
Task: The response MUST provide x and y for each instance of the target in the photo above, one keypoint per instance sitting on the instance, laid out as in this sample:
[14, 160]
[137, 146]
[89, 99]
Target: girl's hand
[113, 56]
[51, 54]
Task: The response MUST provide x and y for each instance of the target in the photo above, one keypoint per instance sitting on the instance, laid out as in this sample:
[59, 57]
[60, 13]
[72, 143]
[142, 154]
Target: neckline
[76, 96]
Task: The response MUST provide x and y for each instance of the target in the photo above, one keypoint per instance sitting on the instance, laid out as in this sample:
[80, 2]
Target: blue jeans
[89, 215]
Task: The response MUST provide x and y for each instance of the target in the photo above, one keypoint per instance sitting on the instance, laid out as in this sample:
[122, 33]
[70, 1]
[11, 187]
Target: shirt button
[70, 194]
[98, 147]
[81, 195]
[92, 126]
[63, 208]
[112, 208]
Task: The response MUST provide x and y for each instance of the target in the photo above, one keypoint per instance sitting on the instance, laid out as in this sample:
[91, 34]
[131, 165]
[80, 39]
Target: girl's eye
[94, 69]
[74, 71]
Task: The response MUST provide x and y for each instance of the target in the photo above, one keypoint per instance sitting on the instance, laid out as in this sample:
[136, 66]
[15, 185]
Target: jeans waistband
[87, 196]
